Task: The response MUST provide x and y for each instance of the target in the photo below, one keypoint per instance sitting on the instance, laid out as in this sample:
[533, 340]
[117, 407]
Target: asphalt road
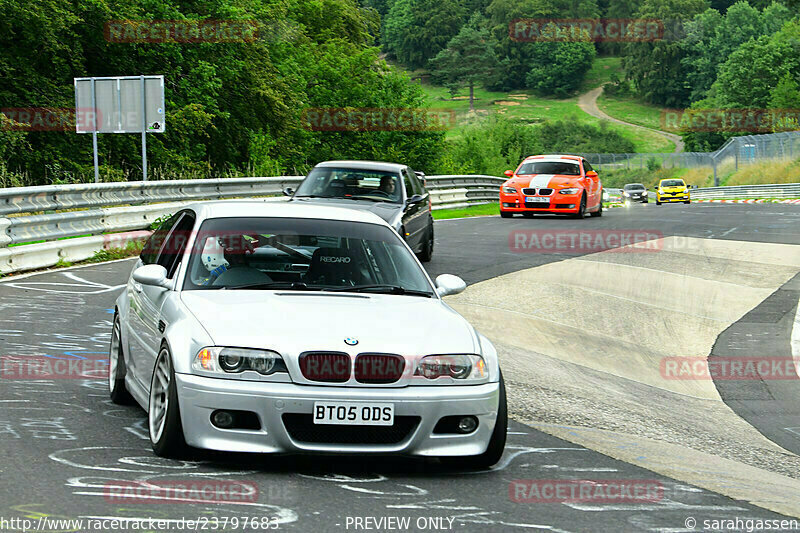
[64, 442]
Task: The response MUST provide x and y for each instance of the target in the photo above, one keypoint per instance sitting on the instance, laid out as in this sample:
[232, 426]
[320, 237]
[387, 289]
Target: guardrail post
[4, 238]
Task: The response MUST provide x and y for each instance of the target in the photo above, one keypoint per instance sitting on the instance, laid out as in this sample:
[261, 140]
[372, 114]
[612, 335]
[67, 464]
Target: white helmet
[213, 254]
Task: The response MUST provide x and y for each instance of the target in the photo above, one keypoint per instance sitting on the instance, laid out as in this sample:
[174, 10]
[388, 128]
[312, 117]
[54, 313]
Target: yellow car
[672, 190]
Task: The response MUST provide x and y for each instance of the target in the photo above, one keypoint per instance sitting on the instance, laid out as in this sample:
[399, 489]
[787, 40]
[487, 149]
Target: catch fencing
[737, 151]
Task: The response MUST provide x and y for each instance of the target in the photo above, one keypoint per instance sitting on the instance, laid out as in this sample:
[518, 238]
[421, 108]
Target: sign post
[120, 104]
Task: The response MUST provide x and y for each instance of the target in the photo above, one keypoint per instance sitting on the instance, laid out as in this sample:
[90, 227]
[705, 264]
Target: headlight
[625, 193]
[572, 190]
[509, 190]
[456, 366]
[236, 360]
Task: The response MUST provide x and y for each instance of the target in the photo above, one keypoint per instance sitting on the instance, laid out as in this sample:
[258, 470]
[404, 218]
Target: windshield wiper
[313, 196]
[370, 198]
[285, 285]
[382, 289]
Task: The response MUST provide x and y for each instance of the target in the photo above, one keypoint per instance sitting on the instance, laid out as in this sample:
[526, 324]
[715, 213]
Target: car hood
[386, 210]
[551, 181]
[677, 188]
[291, 322]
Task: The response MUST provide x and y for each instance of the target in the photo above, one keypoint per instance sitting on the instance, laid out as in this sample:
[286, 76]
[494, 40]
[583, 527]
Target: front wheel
[163, 412]
[497, 442]
[599, 211]
[582, 209]
[427, 248]
[504, 214]
[116, 368]
[687, 201]
[658, 203]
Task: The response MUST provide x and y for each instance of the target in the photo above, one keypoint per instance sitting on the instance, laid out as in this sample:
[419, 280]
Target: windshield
[673, 183]
[359, 184]
[549, 167]
[309, 254]
[634, 187]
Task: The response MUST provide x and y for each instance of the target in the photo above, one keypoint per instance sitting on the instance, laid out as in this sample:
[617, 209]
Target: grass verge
[463, 212]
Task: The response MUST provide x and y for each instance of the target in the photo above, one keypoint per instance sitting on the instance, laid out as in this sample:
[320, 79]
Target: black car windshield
[672, 183]
[302, 254]
[351, 183]
[549, 167]
[634, 187]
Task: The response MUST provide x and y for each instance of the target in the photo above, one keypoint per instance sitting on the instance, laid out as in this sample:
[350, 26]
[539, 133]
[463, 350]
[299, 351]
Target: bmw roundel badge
[351, 341]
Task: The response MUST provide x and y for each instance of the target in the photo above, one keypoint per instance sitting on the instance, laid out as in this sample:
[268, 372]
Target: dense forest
[237, 108]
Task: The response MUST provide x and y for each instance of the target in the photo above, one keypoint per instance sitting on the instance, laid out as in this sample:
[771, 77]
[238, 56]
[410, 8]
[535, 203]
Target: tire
[497, 442]
[504, 214]
[687, 202]
[166, 436]
[582, 209]
[658, 203]
[116, 368]
[427, 248]
[599, 211]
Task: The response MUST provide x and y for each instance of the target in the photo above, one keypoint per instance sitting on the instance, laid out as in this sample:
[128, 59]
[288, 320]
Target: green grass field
[630, 110]
[528, 107]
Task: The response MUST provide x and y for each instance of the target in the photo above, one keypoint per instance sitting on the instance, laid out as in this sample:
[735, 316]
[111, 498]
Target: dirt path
[588, 103]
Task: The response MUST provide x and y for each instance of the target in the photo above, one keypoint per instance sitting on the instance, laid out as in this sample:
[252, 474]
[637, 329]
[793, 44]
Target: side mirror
[288, 191]
[447, 284]
[152, 275]
[509, 173]
[591, 174]
[417, 198]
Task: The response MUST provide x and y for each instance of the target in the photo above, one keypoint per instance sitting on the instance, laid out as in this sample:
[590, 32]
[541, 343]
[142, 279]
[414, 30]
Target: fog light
[222, 419]
[467, 424]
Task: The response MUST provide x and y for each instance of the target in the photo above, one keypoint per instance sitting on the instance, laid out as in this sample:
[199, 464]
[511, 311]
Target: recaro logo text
[327, 259]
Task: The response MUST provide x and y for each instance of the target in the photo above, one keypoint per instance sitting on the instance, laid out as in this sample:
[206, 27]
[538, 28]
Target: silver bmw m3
[250, 326]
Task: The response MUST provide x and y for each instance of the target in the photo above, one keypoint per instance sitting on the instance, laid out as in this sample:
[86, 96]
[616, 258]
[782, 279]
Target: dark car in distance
[393, 191]
[634, 192]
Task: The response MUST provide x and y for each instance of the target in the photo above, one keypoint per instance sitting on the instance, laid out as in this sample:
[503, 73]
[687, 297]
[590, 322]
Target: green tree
[538, 64]
[416, 30]
[712, 37]
[468, 59]
[655, 67]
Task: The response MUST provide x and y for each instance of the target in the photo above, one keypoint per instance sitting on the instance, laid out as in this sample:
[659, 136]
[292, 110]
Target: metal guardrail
[100, 212]
[81, 196]
[446, 191]
[776, 190]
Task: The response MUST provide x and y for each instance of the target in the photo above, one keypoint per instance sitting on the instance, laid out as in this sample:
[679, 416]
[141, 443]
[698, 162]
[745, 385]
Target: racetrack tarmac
[67, 444]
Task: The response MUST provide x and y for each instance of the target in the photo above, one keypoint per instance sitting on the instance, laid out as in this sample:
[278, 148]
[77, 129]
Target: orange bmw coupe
[552, 184]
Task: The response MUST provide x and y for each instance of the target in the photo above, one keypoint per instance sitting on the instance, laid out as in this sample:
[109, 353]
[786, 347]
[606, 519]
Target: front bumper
[559, 203]
[199, 396]
[672, 198]
[642, 198]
